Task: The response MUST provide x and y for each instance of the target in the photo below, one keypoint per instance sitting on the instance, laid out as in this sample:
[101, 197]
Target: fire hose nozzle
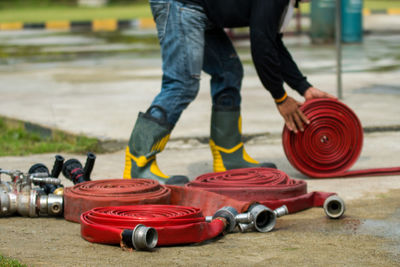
[260, 218]
[334, 207]
[228, 213]
[140, 238]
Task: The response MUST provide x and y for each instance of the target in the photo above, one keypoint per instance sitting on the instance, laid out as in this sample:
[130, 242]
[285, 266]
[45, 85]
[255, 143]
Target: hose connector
[51, 205]
[8, 203]
[334, 207]
[260, 218]
[140, 238]
[228, 213]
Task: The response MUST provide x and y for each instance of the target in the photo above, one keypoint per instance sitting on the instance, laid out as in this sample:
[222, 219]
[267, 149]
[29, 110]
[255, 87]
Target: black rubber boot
[149, 137]
[226, 141]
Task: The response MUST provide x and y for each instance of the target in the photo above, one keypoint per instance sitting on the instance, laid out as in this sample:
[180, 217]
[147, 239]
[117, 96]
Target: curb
[94, 25]
[114, 24]
[108, 145]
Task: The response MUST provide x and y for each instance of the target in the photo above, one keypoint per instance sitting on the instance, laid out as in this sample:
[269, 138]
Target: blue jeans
[189, 44]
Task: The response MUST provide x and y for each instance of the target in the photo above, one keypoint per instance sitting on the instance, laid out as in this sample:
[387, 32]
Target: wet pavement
[65, 80]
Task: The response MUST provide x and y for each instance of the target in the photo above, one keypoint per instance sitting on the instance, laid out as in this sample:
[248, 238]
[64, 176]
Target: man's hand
[293, 116]
[312, 93]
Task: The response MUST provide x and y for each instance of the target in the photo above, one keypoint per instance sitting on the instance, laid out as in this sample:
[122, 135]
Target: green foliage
[8, 262]
[15, 140]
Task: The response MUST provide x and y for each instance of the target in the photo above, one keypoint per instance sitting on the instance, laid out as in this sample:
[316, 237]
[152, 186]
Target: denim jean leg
[223, 64]
[181, 35]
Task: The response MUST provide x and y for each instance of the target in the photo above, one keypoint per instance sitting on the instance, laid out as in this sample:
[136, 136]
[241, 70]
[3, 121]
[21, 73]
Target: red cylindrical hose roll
[269, 187]
[330, 144]
[112, 192]
[117, 192]
[174, 224]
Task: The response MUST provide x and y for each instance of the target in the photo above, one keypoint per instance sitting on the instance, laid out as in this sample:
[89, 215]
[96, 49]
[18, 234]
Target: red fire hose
[112, 192]
[270, 187]
[330, 144]
[117, 192]
[174, 224]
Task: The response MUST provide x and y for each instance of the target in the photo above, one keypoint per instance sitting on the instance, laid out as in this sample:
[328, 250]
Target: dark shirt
[272, 60]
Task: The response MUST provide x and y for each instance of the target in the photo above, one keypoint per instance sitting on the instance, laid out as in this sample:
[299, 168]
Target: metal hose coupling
[30, 204]
[8, 200]
[140, 238]
[334, 207]
[260, 218]
[229, 214]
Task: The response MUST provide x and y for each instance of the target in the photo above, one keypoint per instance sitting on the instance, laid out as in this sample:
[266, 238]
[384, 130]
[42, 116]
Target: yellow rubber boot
[226, 141]
[149, 137]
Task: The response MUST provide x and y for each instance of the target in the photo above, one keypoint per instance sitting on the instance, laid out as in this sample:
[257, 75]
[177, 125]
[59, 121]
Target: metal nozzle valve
[334, 207]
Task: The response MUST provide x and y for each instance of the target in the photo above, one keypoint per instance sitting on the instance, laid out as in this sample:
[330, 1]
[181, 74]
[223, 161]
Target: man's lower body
[189, 44]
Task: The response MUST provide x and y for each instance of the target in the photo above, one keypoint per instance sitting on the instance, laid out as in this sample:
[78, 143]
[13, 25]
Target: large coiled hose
[270, 187]
[330, 144]
[117, 192]
[174, 224]
[112, 192]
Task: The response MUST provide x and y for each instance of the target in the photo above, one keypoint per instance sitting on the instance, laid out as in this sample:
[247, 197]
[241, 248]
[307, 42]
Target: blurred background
[87, 67]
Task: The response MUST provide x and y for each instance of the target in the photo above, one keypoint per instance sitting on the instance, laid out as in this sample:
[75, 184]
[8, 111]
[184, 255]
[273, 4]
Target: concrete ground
[101, 86]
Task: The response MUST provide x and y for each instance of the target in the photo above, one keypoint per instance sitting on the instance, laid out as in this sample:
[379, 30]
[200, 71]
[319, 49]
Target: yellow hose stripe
[11, 26]
[58, 25]
[104, 25]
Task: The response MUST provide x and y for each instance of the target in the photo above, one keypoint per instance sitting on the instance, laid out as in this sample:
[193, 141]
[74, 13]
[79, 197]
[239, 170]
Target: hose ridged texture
[330, 144]
[174, 224]
[112, 192]
[270, 187]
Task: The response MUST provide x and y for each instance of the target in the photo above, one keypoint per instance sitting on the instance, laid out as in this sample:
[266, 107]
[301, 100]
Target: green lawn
[16, 141]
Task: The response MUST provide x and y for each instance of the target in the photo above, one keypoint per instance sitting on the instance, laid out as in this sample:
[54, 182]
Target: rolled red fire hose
[112, 192]
[270, 187]
[174, 224]
[330, 144]
[117, 192]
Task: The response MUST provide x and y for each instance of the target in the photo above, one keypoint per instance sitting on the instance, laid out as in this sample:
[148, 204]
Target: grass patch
[8, 262]
[15, 140]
